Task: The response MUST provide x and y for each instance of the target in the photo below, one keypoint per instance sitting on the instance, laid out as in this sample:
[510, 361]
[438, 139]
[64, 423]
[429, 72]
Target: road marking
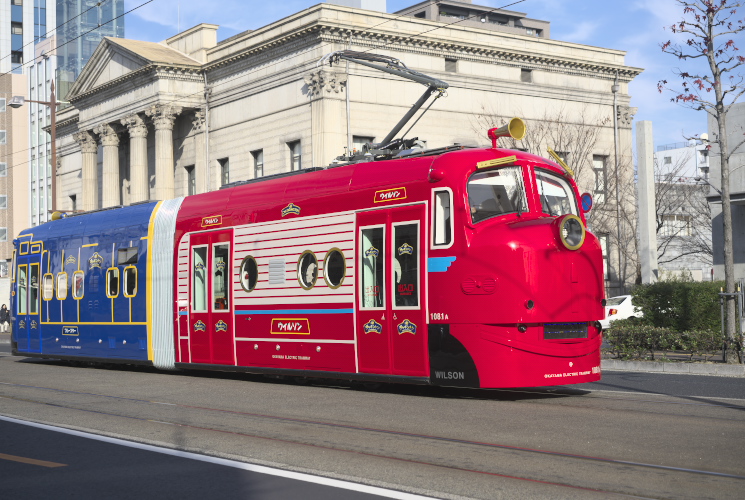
[261, 469]
[31, 461]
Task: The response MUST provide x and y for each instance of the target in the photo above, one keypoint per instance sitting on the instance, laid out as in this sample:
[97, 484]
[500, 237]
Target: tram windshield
[557, 197]
[496, 192]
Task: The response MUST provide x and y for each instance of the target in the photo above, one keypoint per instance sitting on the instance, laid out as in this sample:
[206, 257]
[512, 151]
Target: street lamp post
[18, 101]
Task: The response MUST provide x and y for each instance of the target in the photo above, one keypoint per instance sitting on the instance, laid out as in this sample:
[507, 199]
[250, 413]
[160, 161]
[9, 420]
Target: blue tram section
[80, 286]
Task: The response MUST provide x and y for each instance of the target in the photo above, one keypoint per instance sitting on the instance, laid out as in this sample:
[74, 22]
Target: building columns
[110, 185]
[163, 117]
[89, 188]
[139, 186]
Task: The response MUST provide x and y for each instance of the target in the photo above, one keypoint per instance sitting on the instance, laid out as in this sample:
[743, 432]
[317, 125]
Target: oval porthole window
[307, 269]
[334, 268]
[249, 273]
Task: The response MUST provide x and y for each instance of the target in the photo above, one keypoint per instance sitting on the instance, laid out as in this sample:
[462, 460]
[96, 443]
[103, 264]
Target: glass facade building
[82, 25]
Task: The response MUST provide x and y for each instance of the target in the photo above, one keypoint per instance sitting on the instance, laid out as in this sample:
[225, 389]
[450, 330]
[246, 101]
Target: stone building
[187, 115]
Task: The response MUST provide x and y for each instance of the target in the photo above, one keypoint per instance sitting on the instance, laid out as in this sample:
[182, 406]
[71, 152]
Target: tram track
[359, 429]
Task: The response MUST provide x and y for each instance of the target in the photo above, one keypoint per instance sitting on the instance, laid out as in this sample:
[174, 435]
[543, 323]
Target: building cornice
[156, 71]
[327, 31]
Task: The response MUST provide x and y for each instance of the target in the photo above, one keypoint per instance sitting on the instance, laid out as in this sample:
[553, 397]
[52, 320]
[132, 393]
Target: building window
[191, 180]
[16, 28]
[2, 137]
[676, 225]
[420, 15]
[451, 65]
[667, 160]
[360, 140]
[73, 203]
[526, 75]
[295, 155]
[258, 157]
[2, 105]
[224, 171]
[3, 169]
[3, 201]
[598, 168]
[3, 234]
[3, 268]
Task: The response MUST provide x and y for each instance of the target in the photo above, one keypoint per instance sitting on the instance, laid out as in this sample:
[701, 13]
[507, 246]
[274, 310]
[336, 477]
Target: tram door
[28, 297]
[211, 335]
[391, 318]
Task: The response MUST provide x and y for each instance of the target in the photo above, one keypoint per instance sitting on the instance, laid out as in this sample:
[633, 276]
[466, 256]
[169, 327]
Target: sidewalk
[674, 367]
[4, 338]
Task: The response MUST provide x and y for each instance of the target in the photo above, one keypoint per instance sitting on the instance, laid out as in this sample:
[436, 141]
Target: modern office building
[82, 25]
[13, 173]
[684, 242]
[735, 135]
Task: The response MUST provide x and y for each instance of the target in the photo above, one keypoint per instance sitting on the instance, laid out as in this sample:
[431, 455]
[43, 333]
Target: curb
[676, 368]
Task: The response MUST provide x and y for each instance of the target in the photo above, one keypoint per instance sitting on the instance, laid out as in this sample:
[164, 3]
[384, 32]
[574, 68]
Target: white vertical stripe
[164, 356]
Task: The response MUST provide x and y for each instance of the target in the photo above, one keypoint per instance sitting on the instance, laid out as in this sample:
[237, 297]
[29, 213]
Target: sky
[634, 26]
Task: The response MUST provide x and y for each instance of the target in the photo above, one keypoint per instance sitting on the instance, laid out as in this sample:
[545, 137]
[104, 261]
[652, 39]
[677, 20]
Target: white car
[619, 308]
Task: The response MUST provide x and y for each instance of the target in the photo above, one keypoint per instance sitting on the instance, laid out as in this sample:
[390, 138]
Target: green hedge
[680, 316]
[680, 305]
[630, 339]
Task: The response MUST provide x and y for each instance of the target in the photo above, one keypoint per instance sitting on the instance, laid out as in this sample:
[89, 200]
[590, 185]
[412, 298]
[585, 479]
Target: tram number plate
[565, 331]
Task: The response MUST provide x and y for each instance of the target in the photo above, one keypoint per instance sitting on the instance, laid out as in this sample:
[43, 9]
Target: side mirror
[586, 200]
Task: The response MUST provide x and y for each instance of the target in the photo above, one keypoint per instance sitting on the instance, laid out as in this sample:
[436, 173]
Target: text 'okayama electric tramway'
[457, 266]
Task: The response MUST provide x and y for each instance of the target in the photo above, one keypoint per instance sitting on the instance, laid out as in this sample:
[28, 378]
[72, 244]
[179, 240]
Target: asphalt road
[644, 435]
[82, 468]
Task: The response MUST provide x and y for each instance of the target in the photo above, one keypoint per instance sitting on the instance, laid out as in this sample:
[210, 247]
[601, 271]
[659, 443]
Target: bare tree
[710, 28]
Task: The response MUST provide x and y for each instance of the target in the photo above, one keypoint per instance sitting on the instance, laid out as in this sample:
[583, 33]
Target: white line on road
[261, 469]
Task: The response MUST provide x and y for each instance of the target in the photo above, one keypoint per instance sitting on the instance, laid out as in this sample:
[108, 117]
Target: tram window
[22, 289]
[221, 277]
[307, 270]
[334, 268]
[78, 285]
[373, 268]
[112, 282]
[126, 256]
[442, 229]
[47, 292]
[13, 267]
[557, 196]
[130, 281]
[33, 289]
[496, 192]
[249, 273]
[199, 284]
[406, 264]
[61, 286]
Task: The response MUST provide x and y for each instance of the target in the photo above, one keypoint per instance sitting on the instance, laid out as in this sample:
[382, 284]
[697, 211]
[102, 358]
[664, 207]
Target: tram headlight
[571, 231]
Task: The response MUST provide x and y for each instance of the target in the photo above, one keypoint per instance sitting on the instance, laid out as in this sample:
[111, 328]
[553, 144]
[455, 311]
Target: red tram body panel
[451, 270]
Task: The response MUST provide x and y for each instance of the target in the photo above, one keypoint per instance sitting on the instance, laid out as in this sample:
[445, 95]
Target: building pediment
[116, 58]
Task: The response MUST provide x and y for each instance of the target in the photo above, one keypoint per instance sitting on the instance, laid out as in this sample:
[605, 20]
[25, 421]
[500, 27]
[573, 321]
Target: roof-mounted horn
[515, 129]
